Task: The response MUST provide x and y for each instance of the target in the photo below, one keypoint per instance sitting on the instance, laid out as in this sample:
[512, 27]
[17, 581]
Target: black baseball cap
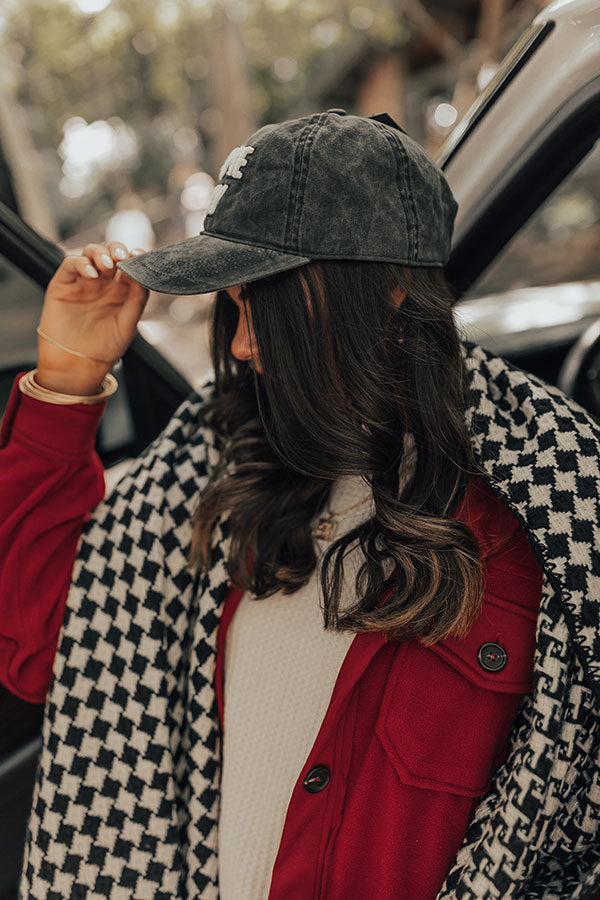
[325, 186]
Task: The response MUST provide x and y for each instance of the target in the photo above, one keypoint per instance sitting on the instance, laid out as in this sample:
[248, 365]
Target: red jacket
[412, 735]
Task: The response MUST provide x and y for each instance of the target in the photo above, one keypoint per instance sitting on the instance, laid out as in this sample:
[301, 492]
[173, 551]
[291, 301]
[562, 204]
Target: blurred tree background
[114, 107]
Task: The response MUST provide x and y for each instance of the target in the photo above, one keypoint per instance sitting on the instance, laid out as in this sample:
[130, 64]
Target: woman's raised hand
[92, 307]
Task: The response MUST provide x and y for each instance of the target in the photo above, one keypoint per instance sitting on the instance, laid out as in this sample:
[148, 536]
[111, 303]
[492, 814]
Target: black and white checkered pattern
[127, 792]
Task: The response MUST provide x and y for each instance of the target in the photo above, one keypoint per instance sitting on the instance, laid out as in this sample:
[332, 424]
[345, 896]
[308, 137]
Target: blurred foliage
[135, 59]
[148, 64]
[145, 72]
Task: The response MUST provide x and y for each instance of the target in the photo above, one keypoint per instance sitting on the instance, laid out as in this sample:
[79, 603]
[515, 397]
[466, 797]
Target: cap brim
[205, 263]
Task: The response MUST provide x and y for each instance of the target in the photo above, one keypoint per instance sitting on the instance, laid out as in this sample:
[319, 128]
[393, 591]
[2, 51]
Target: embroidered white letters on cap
[216, 195]
[234, 162]
[232, 167]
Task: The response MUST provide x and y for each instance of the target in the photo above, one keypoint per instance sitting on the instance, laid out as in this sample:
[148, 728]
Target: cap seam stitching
[408, 188]
[317, 254]
[310, 255]
[412, 201]
[190, 279]
[294, 191]
[240, 241]
[401, 181]
[294, 262]
[301, 180]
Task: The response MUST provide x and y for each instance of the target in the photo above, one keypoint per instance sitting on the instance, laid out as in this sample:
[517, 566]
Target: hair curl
[347, 376]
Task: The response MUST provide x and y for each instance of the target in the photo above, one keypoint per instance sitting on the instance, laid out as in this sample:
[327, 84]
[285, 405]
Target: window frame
[551, 155]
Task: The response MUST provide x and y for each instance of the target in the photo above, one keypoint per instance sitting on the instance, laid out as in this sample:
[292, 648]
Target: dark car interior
[151, 389]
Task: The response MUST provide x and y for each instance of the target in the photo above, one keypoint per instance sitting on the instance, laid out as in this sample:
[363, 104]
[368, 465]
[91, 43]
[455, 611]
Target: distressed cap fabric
[325, 186]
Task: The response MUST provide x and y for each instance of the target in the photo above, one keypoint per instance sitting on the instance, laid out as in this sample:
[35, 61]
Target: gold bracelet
[29, 386]
[43, 334]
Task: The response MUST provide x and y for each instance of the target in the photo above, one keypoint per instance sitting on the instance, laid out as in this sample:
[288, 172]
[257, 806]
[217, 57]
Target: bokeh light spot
[285, 68]
[326, 33]
[445, 115]
[361, 17]
[145, 42]
[89, 7]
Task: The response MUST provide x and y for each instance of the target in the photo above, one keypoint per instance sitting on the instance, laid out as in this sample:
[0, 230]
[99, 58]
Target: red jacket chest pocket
[448, 710]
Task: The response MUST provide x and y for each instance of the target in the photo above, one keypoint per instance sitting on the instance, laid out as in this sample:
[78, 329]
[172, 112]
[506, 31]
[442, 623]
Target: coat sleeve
[50, 480]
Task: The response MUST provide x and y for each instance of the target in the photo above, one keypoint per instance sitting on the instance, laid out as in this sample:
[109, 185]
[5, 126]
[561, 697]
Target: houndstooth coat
[127, 791]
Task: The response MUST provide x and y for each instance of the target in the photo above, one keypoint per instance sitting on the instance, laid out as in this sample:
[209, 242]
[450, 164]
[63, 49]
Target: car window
[513, 62]
[20, 304]
[559, 243]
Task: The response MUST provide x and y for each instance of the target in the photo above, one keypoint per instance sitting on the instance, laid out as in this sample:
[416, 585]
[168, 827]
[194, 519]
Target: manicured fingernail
[120, 253]
[137, 252]
[106, 261]
[91, 271]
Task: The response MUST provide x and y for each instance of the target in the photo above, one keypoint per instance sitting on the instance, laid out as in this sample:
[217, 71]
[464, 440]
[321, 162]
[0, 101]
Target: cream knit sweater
[280, 669]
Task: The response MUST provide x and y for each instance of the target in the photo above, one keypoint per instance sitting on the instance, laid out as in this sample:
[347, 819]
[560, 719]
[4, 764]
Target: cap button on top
[492, 657]
[317, 779]
[338, 112]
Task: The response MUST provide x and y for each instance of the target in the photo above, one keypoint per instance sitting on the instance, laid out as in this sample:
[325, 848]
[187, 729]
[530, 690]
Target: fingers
[121, 276]
[104, 256]
[97, 260]
[74, 266]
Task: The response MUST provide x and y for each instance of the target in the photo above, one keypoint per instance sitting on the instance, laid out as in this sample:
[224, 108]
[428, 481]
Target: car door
[150, 389]
[533, 124]
[527, 146]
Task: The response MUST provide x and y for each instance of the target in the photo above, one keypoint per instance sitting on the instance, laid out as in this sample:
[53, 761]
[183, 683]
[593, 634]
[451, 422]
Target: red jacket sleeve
[50, 480]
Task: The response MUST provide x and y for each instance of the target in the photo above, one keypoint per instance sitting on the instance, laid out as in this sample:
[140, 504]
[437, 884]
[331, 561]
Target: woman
[308, 614]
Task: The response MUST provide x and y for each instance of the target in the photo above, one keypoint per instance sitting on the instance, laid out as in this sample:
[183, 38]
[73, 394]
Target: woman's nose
[241, 346]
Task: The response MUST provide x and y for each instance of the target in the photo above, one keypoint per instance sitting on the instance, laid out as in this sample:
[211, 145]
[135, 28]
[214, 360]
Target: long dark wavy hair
[346, 375]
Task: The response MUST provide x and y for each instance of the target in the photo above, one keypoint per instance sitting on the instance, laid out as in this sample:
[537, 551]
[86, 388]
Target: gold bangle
[46, 337]
[29, 386]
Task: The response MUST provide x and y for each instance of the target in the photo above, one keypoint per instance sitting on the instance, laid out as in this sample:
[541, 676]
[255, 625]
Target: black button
[492, 657]
[338, 112]
[317, 779]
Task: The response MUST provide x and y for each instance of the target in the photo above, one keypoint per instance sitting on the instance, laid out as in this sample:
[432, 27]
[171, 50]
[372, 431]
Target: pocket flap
[512, 629]
[446, 716]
